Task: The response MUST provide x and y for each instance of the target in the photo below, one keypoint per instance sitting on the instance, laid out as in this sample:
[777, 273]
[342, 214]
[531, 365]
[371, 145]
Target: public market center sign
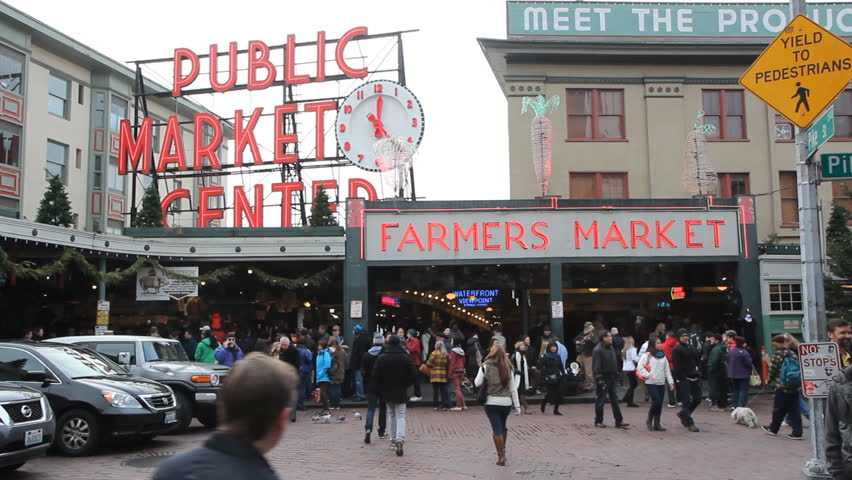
[666, 19]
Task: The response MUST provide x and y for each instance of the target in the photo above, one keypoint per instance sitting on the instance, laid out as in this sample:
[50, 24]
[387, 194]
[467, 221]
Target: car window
[164, 351]
[14, 365]
[112, 349]
[77, 362]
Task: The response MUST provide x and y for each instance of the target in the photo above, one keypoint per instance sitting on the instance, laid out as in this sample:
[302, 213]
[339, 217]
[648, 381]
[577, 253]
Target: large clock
[375, 110]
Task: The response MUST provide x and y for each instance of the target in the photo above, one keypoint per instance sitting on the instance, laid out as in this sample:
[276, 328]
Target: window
[155, 136]
[11, 70]
[163, 351]
[58, 90]
[10, 144]
[80, 90]
[14, 365]
[115, 227]
[733, 184]
[116, 181]
[78, 158]
[785, 297]
[789, 198]
[117, 112]
[111, 350]
[100, 109]
[98, 172]
[783, 129]
[726, 110]
[843, 117]
[841, 192]
[595, 114]
[57, 159]
[605, 186]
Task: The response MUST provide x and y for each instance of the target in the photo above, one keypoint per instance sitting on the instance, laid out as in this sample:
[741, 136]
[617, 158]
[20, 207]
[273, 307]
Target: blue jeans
[740, 396]
[334, 394]
[657, 394]
[497, 415]
[442, 388]
[304, 388]
[803, 406]
[606, 388]
[689, 394]
[396, 412]
[374, 399]
[359, 383]
[786, 404]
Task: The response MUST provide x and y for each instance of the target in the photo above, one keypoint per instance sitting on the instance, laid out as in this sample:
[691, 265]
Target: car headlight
[121, 400]
[214, 379]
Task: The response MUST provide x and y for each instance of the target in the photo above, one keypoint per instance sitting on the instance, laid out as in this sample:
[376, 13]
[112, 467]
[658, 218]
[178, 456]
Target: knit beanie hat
[378, 339]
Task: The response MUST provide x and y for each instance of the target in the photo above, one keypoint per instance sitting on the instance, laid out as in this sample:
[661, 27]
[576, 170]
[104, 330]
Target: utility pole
[813, 293]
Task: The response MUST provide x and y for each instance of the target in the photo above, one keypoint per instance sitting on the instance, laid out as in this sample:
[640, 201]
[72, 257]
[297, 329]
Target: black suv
[92, 397]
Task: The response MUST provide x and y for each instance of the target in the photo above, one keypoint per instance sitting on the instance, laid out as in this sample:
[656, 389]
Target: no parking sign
[819, 362]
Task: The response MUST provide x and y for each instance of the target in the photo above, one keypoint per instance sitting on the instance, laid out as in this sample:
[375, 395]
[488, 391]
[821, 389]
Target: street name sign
[819, 362]
[801, 72]
[821, 131]
[836, 166]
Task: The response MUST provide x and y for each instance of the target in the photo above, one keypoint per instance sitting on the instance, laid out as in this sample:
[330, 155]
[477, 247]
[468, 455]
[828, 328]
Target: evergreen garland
[151, 213]
[838, 239]
[55, 208]
[321, 214]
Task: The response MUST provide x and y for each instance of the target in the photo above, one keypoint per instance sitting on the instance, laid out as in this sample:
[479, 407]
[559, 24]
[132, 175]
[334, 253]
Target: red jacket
[668, 348]
[413, 346]
[456, 362]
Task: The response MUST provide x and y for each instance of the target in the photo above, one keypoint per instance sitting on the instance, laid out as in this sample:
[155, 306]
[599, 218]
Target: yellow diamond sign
[801, 71]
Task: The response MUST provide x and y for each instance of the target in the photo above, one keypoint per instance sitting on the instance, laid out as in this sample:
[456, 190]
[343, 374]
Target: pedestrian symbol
[803, 94]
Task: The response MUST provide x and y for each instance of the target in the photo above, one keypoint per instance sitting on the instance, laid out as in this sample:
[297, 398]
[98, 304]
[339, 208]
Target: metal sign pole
[813, 294]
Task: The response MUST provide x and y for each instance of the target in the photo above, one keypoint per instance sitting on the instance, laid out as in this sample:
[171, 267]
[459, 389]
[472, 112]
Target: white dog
[744, 416]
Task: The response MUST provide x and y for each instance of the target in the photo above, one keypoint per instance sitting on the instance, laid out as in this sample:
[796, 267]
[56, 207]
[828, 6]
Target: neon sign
[678, 293]
[476, 298]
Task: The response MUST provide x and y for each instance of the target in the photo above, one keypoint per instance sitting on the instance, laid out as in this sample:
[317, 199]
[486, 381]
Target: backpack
[334, 367]
[791, 373]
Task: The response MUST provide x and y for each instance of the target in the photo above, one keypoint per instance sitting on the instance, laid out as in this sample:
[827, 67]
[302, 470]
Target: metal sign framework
[290, 172]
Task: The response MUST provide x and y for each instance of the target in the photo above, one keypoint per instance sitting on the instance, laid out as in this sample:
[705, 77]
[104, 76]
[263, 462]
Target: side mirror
[36, 376]
[124, 358]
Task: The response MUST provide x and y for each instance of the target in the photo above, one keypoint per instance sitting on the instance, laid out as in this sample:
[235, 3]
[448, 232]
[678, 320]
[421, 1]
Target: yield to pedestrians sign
[819, 362]
[801, 71]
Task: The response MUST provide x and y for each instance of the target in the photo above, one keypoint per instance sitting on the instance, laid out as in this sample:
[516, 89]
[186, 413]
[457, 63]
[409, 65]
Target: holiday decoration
[699, 176]
[838, 240]
[541, 136]
[55, 208]
[151, 215]
[321, 214]
[394, 156]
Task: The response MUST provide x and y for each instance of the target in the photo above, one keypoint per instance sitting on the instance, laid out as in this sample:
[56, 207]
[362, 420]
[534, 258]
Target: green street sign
[836, 166]
[821, 130]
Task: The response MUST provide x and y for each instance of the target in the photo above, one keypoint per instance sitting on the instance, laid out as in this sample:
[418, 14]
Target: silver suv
[26, 425]
[196, 385]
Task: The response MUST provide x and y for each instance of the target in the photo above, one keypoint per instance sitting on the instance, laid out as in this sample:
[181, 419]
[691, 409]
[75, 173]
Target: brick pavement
[457, 445]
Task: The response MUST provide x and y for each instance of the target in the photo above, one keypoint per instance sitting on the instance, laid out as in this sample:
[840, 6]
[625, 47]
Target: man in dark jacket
[360, 345]
[838, 426]
[290, 354]
[717, 372]
[585, 345]
[605, 366]
[189, 344]
[393, 373]
[374, 398]
[687, 378]
[254, 416]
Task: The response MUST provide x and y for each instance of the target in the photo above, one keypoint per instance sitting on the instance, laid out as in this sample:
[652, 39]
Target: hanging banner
[153, 285]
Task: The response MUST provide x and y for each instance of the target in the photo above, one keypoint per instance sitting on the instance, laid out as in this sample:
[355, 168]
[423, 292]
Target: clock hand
[380, 102]
[378, 125]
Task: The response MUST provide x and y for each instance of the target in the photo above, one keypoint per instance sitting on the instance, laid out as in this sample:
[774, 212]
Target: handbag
[644, 373]
[425, 370]
[482, 394]
[754, 380]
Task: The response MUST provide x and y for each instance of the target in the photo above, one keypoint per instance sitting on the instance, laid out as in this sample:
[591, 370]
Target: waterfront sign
[666, 19]
[836, 166]
[801, 72]
[460, 235]
[819, 362]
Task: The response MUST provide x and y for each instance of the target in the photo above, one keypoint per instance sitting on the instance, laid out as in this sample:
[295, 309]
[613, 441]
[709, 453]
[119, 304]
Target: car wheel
[184, 412]
[208, 420]
[9, 468]
[77, 433]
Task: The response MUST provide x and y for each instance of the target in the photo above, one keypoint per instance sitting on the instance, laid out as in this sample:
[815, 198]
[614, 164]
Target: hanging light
[593, 289]
[250, 271]
[489, 309]
[307, 304]
[203, 283]
[451, 296]
[94, 287]
[722, 288]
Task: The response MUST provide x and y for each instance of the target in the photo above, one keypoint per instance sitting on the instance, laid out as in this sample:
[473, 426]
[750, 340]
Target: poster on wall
[153, 285]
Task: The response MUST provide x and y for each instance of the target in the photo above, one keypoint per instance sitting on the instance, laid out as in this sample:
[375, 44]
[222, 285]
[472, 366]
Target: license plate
[171, 417]
[32, 437]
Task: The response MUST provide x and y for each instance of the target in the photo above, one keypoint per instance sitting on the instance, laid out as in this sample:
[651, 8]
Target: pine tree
[55, 208]
[838, 239]
[321, 214]
[151, 214]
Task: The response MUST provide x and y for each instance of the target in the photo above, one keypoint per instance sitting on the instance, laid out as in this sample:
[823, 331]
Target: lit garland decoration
[394, 156]
[699, 176]
[29, 271]
[541, 136]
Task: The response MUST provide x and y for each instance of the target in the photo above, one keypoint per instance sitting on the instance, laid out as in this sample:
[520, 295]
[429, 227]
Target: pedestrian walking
[717, 373]
[497, 376]
[605, 367]
[838, 418]
[522, 372]
[654, 367]
[438, 363]
[456, 373]
[254, 419]
[552, 371]
[306, 369]
[474, 355]
[360, 345]
[415, 351]
[669, 343]
[374, 397]
[205, 352]
[628, 365]
[786, 372]
[228, 352]
[392, 374]
[740, 366]
[323, 380]
[585, 344]
[337, 372]
[498, 336]
[687, 378]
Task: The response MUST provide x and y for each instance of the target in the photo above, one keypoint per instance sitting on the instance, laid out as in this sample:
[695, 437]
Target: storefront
[524, 263]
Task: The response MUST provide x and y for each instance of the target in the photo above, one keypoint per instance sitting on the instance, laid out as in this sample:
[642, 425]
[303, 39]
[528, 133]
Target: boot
[556, 409]
[650, 420]
[657, 425]
[500, 447]
[367, 435]
[543, 404]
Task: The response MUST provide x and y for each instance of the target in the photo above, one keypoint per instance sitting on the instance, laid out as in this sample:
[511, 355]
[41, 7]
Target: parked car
[26, 425]
[93, 398]
[196, 385]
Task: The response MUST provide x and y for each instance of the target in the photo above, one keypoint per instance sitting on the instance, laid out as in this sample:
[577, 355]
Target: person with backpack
[323, 379]
[786, 371]
[374, 398]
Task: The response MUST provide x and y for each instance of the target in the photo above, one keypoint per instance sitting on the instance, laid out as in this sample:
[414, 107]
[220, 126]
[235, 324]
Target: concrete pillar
[556, 296]
[355, 279]
[101, 283]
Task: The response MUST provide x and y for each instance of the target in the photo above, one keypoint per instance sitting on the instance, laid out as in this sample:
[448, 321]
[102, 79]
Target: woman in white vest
[522, 373]
[502, 395]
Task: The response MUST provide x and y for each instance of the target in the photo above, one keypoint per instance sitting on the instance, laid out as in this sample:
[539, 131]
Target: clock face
[373, 111]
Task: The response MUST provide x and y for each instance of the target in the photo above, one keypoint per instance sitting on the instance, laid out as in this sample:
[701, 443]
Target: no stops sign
[819, 362]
